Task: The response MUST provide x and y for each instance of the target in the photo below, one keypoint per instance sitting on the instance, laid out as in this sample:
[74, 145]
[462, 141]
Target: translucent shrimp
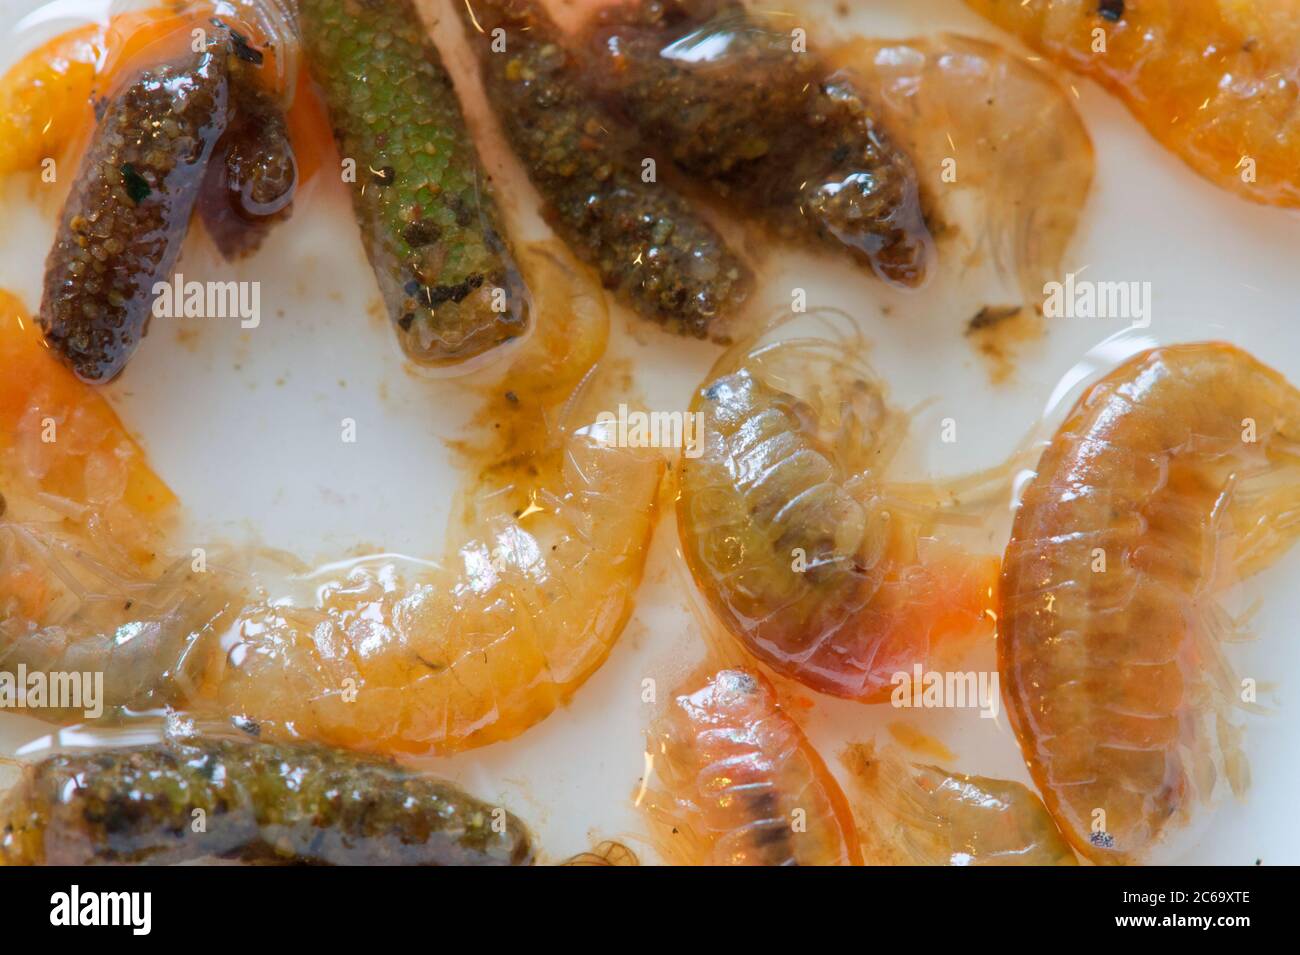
[1215, 81]
[83, 583]
[741, 783]
[991, 118]
[607, 853]
[405, 656]
[923, 815]
[817, 566]
[1173, 476]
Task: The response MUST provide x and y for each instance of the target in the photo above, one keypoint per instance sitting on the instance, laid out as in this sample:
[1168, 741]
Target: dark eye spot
[1111, 10]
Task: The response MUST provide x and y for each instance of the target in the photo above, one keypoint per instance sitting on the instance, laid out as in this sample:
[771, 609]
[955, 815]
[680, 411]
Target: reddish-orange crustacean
[738, 783]
[1174, 476]
[1215, 81]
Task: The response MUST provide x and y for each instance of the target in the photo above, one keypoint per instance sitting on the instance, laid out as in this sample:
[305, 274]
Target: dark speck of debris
[991, 315]
[1112, 10]
[251, 727]
[512, 397]
[421, 232]
[239, 45]
[136, 186]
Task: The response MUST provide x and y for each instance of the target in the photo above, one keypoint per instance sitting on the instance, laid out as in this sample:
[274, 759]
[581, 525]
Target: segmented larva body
[1159, 488]
[741, 783]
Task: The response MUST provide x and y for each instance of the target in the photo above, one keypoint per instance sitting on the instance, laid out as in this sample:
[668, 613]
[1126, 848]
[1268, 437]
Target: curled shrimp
[1172, 477]
[1213, 80]
[980, 122]
[738, 783]
[398, 655]
[818, 567]
[83, 585]
[924, 815]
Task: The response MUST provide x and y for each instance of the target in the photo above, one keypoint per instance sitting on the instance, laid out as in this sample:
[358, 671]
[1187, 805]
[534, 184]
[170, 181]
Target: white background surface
[244, 425]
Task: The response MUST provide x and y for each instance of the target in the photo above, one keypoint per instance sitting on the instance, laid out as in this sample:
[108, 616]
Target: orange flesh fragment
[1215, 81]
[35, 388]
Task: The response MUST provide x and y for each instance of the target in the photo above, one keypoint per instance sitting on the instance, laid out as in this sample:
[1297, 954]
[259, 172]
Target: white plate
[244, 425]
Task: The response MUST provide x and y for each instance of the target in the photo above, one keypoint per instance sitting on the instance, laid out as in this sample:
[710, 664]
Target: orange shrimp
[1173, 476]
[924, 815]
[742, 784]
[818, 567]
[83, 583]
[1215, 81]
[407, 656]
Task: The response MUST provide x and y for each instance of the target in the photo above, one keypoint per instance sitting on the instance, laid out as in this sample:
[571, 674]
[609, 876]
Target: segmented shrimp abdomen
[1118, 548]
[475, 652]
[744, 785]
[794, 545]
[1213, 80]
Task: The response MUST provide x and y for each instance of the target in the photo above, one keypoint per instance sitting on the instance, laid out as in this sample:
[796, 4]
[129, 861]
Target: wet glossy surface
[914, 814]
[194, 797]
[795, 539]
[1216, 81]
[741, 783]
[1172, 478]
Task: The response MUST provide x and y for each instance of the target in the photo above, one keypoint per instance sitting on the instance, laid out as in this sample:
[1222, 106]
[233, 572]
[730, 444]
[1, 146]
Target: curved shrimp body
[82, 585]
[529, 605]
[1214, 80]
[924, 815]
[1159, 489]
[801, 551]
[1010, 122]
[743, 784]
